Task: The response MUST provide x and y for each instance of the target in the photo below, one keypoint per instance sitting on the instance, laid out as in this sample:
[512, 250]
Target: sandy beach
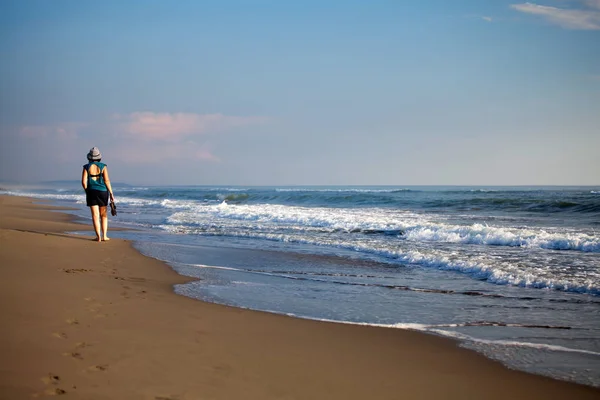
[88, 320]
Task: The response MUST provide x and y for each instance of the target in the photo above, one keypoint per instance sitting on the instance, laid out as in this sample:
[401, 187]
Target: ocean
[511, 272]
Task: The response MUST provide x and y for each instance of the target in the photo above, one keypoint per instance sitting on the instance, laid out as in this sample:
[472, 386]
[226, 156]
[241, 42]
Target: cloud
[62, 131]
[205, 155]
[144, 137]
[147, 125]
[174, 126]
[579, 19]
[479, 17]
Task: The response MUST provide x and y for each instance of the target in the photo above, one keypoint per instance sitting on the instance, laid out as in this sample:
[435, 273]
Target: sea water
[511, 272]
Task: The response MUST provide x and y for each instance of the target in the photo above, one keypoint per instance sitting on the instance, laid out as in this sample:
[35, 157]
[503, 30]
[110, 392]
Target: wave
[236, 197]
[499, 236]
[516, 204]
[408, 226]
[445, 200]
[478, 267]
[404, 225]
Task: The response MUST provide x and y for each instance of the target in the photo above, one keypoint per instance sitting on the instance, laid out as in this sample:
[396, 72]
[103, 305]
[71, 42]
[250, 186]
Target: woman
[96, 184]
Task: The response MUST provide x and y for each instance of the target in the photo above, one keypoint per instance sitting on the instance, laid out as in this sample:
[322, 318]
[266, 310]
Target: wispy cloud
[479, 17]
[61, 131]
[173, 126]
[585, 18]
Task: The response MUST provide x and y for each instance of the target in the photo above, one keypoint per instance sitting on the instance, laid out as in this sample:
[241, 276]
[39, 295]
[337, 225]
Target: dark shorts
[96, 198]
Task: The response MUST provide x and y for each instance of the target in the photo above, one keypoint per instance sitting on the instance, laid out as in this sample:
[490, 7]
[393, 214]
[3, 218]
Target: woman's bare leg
[104, 218]
[96, 221]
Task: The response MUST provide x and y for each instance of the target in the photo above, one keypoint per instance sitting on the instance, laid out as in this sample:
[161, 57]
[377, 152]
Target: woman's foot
[106, 238]
[97, 239]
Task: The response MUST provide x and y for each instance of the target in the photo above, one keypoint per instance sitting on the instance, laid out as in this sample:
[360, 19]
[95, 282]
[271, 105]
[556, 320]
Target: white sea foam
[414, 227]
[214, 267]
[178, 204]
[513, 343]
[79, 198]
[500, 236]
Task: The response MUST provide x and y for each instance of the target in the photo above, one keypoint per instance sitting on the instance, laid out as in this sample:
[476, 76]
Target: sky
[328, 92]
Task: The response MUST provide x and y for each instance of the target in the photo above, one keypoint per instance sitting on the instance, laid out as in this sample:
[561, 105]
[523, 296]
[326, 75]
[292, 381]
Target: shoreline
[101, 321]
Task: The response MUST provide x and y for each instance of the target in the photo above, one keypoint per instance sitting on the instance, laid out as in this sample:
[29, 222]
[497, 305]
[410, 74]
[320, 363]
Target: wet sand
[88, 320]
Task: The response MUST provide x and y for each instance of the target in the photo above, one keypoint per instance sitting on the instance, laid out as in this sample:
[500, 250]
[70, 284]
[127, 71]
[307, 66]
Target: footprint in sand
[100, 367]
[72, 321]
[74, 270]
[60, 335]
[51, 379]
[54, 391]
[95, 308]
[73, 354]
[135, 279]
[81, 345]
[54, 380]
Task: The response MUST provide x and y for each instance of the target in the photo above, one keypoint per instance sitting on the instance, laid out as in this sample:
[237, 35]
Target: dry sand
[88, 320]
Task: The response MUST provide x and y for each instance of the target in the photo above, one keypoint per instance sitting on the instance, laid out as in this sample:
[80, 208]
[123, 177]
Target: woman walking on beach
[96, 183]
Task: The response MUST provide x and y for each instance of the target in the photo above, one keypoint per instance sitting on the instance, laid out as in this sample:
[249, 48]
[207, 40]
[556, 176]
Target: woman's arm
[84, 179]
[107, 182]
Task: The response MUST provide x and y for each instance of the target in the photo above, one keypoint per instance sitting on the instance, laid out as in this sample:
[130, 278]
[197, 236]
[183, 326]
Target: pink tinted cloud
[205, 155]
[174, 126]
[148, 137]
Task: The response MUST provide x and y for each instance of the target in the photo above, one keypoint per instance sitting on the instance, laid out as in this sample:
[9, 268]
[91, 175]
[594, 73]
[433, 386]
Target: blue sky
[314, 92]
